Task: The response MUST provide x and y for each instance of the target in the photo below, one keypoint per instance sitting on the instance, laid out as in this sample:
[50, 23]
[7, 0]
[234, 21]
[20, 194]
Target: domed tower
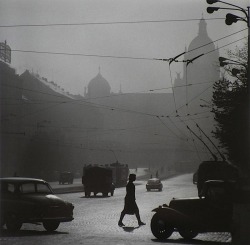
[98, 87]
[202, 73]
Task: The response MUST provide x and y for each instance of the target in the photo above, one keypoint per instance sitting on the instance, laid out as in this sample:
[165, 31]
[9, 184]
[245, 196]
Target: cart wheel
[188, 233]
[160, 228]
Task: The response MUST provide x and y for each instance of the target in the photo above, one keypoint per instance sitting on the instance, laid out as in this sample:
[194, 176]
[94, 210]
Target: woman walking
[130, 206]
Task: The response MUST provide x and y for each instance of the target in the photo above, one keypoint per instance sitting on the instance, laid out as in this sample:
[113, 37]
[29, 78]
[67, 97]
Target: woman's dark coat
[130, 206]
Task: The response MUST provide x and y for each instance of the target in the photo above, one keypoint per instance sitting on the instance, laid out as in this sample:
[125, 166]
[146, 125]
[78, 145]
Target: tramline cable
[178, 128]
[104, 23]
[192, 99]
[172, 89]
[92, 98]
[195, 147]
[118, 57]
[170, 129]
[74, 101]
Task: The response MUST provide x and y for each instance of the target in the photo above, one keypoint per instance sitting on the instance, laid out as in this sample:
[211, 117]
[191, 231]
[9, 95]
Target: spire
[99, 69]
[202, 27]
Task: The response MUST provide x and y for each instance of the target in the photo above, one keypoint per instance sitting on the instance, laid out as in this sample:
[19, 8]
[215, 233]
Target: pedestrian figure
[130, 206]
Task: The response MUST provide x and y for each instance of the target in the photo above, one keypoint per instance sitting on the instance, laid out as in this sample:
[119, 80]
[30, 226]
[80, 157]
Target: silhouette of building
[97, 87]
[102, 126]
[198, 77]
[191, 100]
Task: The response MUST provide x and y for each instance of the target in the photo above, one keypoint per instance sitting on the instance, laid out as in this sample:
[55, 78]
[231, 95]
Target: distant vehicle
[154, 184]
[215, 170]
[119, 173]
[66, 177]
[97, 179]
[191, 216]
[28, 200]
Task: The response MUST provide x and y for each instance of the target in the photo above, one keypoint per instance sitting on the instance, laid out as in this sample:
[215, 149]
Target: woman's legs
[121, 218]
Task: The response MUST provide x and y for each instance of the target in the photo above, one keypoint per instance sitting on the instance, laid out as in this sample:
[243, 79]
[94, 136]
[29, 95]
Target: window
[7, 188]
[28, 188]
[42, 188]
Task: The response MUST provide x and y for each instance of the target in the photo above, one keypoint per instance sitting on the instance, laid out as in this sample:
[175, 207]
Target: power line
[95, 104]
[216, 40]
[81, 54]
[105, 23]
[121, 57]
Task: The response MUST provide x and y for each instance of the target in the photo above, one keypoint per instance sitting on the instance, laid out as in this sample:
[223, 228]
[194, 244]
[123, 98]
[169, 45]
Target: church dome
[98, 86]
[202, 39]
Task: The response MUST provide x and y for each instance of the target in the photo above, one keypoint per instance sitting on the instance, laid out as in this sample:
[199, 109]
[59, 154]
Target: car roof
[154, 179]
[21, 180]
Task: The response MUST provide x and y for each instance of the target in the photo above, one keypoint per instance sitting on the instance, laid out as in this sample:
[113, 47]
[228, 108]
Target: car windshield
[153, 181]
[32, 187]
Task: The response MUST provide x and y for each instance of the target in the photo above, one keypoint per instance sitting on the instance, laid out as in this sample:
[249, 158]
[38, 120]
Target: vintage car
[66, 177]
[28, 200]
[154, 184]
[191, 216]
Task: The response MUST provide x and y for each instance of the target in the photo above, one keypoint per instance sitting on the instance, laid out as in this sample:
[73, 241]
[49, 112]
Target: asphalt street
[95, 219]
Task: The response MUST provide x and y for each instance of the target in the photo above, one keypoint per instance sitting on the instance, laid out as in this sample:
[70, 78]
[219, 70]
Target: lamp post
[241, 213]
[229, 20]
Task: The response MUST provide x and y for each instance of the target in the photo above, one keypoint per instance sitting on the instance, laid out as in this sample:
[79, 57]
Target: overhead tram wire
[195, 147]
[170, 129]
[103, 23]
[139, 58]
[85, 102]
[119, 57]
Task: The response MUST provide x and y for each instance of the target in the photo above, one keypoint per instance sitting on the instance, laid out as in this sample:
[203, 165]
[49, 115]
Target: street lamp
[225, 61]
[241, 231]
[229, 20]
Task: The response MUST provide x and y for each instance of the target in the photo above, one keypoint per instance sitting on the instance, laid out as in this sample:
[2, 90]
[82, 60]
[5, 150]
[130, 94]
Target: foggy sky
[140, 40]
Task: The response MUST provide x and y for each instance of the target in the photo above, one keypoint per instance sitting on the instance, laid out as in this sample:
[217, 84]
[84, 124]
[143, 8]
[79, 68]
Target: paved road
[96, 220]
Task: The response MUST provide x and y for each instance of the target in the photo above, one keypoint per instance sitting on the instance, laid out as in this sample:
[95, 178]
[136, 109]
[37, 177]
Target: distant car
[66, 177]
[154, 184]
[28, 200]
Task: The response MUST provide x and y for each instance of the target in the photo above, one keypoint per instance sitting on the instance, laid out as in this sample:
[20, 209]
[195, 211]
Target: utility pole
[241, 212]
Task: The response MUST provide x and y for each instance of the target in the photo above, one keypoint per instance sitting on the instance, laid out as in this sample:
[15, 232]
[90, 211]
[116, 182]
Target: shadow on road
[95, 197]
[24, 233]
[130, 228]
[193, 241]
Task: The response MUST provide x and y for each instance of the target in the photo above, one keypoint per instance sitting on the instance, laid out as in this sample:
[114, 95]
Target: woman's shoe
[120, 224]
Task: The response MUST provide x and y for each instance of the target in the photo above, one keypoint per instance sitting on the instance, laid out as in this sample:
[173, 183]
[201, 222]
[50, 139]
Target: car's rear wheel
[87, 194]
[12, 222]
[160, 228]
[105, 194]
[51, 225]
[188, 233]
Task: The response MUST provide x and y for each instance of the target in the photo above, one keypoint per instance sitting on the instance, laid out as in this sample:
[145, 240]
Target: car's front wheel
[12, 222]
[160, 228]
[188, 233]
[51, 225]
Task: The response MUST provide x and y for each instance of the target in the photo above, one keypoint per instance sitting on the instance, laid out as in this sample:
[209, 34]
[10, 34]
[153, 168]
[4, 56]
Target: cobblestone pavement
[96, 220]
